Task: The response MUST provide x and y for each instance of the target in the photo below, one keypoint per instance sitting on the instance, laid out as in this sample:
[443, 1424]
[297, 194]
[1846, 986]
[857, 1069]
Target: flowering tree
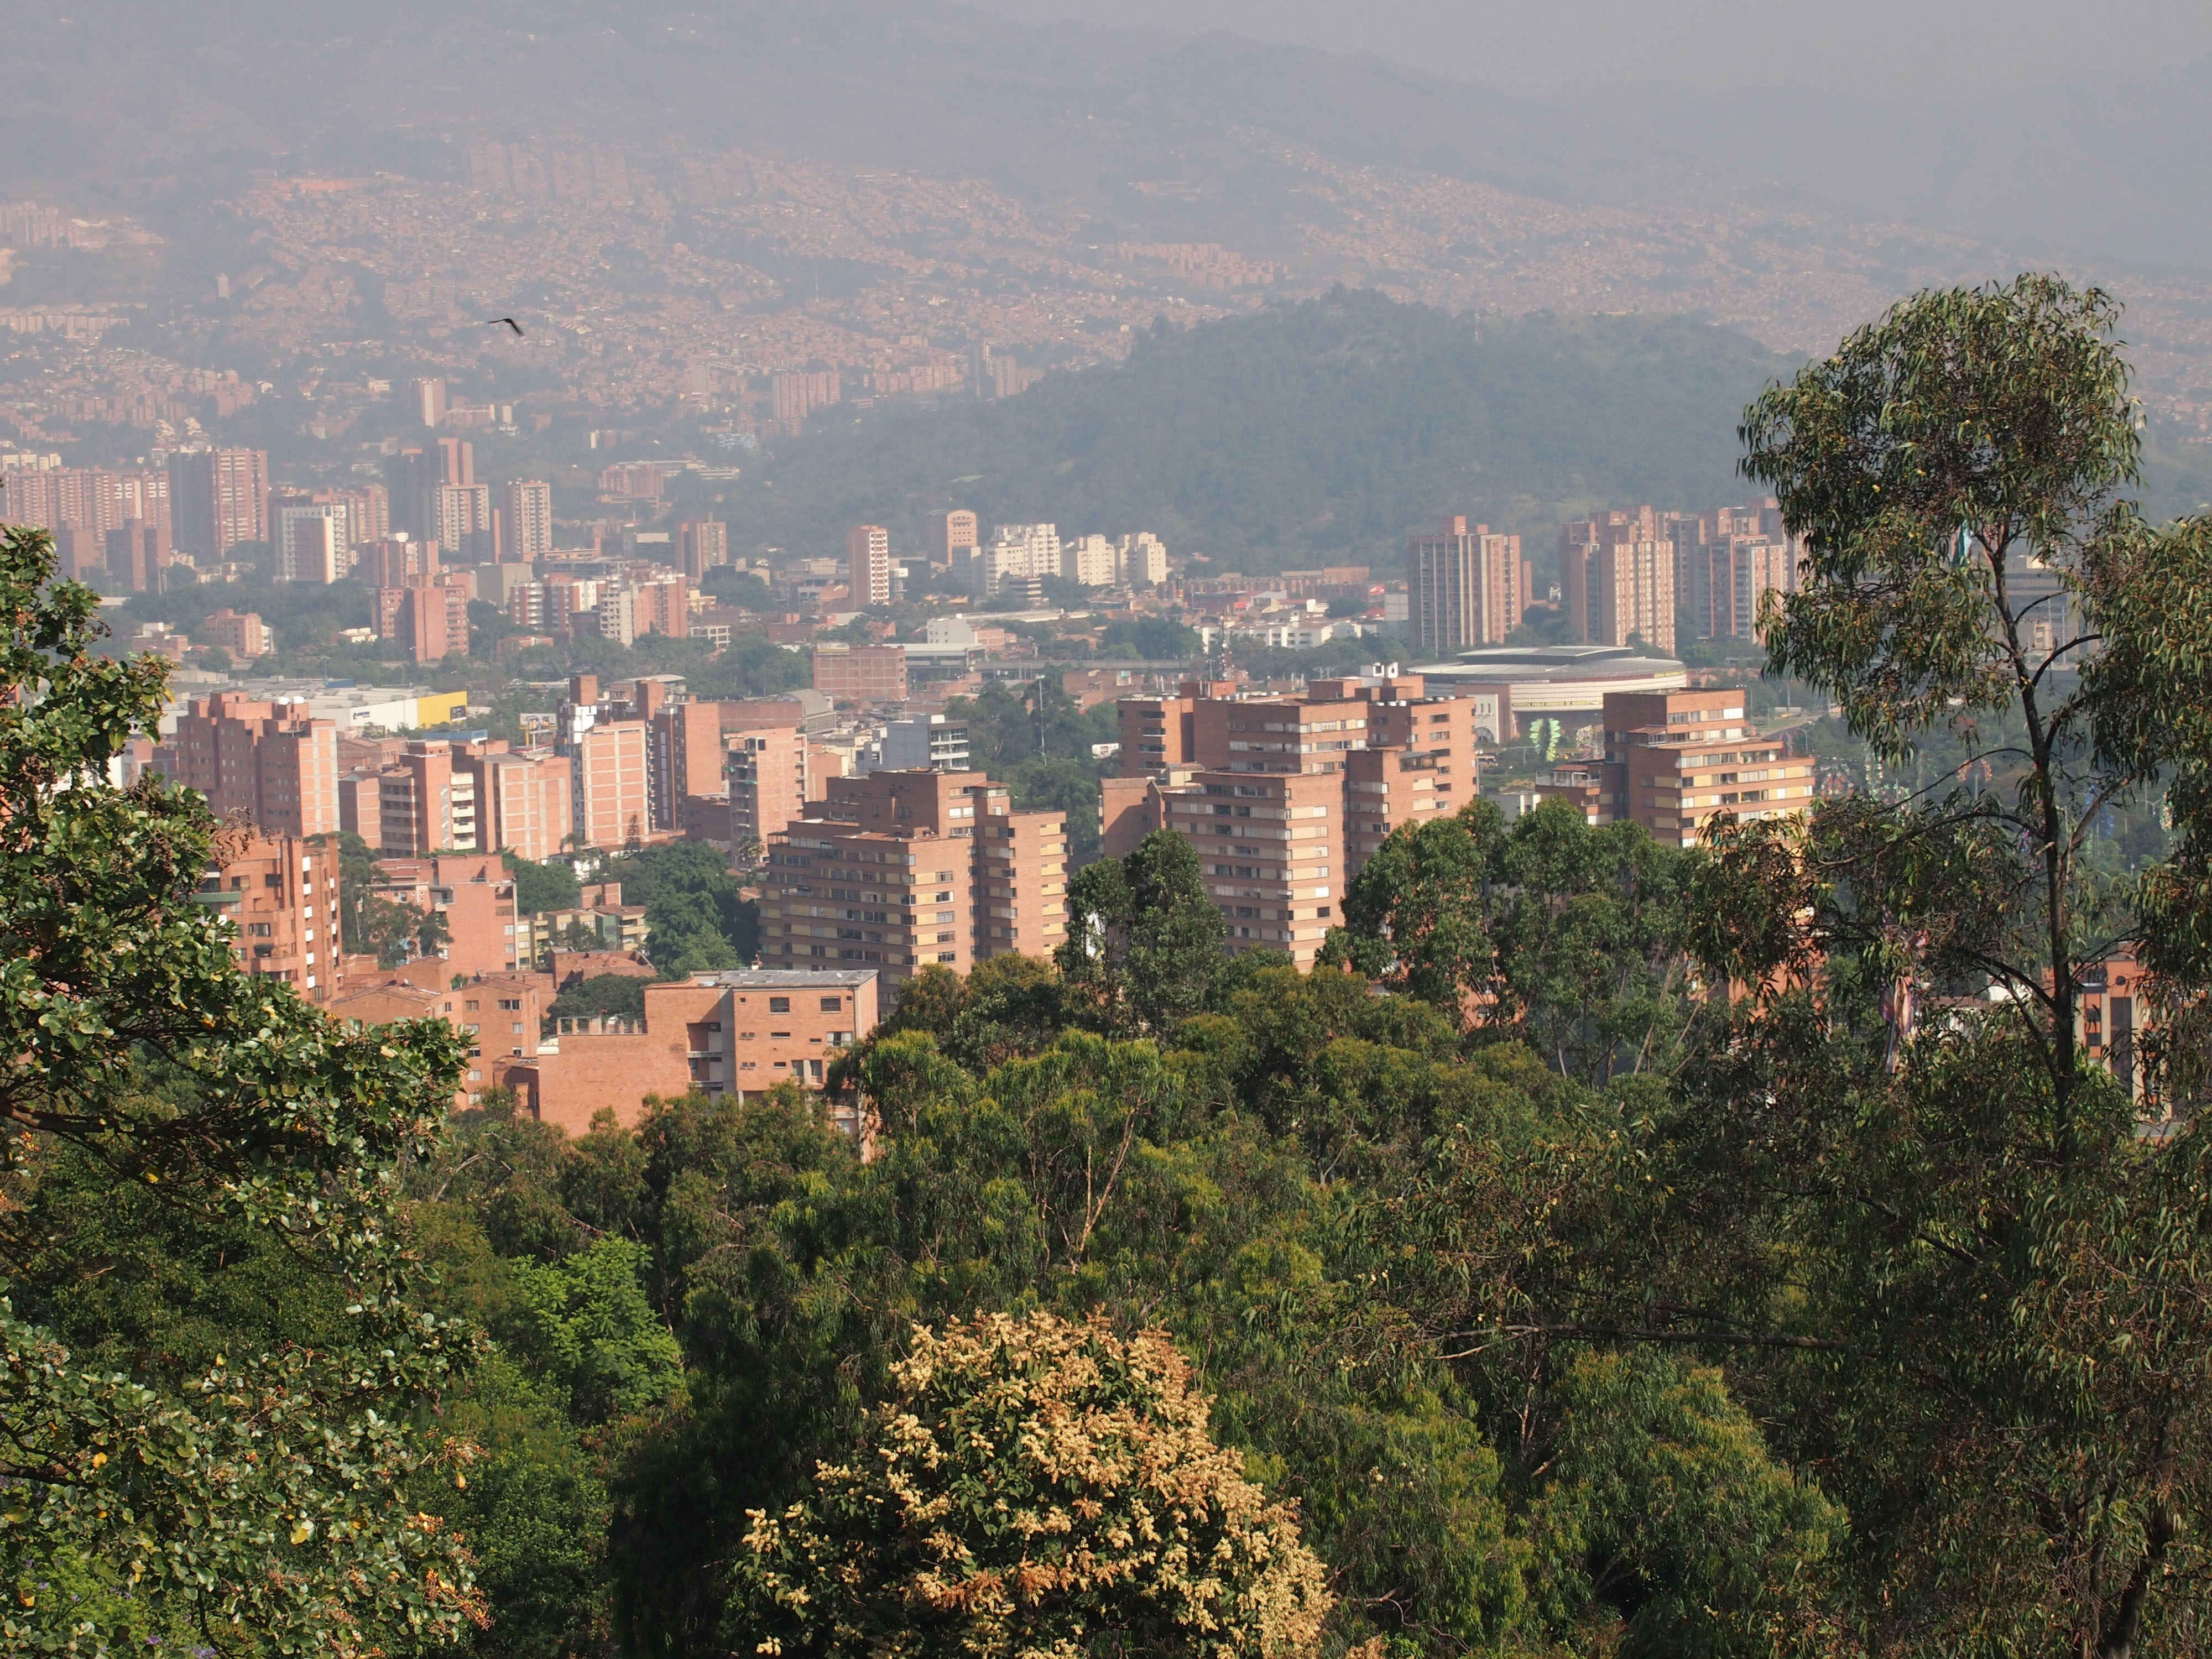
[1033, 1487]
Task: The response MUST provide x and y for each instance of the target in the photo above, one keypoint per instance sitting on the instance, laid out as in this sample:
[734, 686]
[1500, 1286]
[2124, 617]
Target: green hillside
[1321, 431]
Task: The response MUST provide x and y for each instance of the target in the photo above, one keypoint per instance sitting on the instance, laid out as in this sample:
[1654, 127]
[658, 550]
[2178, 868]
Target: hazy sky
[1931, 48]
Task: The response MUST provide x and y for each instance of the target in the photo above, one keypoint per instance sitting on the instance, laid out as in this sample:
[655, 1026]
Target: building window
[831, 1005]
[779, 1004]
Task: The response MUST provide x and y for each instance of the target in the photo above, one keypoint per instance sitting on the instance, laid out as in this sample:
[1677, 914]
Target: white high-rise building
[1141, 560]
[313, 544]
[1019, 551]
[528, 523]
[1089, 560]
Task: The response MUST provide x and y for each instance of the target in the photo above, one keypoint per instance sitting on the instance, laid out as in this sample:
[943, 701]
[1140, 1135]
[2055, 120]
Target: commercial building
[1466, 588]
[898, 869]
[274, 763]
[279, 895]
[217, 499]
[357, 710]
[868, 565]
[862, 674]
[1569, 683]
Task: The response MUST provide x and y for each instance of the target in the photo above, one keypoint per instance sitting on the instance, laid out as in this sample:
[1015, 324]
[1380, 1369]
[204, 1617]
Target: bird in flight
[494, 322]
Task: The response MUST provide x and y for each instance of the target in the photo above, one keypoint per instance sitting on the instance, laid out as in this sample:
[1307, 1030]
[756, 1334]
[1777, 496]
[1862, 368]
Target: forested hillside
[1315, 432]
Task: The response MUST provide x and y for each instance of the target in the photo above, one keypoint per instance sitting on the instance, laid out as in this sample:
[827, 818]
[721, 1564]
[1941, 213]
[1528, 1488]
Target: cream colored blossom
[1034, 1487]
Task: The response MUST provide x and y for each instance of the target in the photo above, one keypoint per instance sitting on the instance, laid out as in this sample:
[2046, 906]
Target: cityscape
[936, 831]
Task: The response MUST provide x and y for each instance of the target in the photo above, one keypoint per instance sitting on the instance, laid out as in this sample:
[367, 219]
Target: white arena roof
[1557, 679]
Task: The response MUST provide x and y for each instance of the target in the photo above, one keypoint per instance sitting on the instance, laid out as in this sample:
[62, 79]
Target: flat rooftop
[1559, 662]
[777, 979]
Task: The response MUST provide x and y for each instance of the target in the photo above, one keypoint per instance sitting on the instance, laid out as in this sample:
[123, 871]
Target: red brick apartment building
[861, 674]
[1285, 797]
[280, 894]
[900, 870]
[738, 1032]
[500, 1014]
[272, 762]
[1674, 760]
[475, 895]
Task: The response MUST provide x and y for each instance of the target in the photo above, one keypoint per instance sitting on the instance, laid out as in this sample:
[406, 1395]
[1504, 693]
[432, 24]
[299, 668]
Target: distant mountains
[1315, 433]
[1321, 433]
[140, 103]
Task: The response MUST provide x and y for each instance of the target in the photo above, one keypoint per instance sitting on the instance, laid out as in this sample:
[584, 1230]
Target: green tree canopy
[1144, 940]
[541, 887]
[216, 1360]
[1886, 1188]
[1569, 938]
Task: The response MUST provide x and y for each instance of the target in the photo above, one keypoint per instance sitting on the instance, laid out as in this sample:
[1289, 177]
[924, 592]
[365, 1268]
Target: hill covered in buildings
[1317, 432]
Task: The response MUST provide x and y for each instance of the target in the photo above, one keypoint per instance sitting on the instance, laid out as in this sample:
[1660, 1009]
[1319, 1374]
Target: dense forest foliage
[1607, 1247]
